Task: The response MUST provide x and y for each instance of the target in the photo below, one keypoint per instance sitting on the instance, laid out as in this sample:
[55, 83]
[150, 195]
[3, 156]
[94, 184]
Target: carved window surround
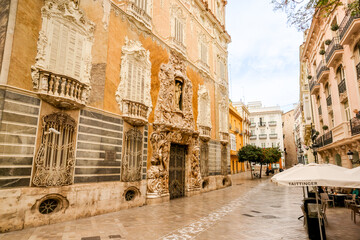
[204, 113]
[141, 13]
[178, 26]
[133, 93]
[61, 73]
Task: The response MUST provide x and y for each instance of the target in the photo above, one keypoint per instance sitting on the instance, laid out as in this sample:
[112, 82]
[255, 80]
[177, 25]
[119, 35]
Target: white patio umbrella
[314, 175]
[286, 171]
[354, 171]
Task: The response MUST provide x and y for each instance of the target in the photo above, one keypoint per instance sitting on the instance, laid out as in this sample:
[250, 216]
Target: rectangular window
[66, 51]
[203, 53]
[142, 4]
[179, 31]
[232, 142]
[347, 111]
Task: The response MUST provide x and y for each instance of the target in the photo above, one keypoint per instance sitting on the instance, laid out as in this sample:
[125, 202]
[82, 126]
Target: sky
[263, 55]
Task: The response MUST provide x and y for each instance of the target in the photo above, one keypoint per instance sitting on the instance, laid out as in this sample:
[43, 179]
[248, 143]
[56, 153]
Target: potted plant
[309, 77]
[322, 52]
[334, 27]
[325, 127]
[327, 42]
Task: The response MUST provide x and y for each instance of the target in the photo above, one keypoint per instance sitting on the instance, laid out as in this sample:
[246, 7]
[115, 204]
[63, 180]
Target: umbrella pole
[317, 203]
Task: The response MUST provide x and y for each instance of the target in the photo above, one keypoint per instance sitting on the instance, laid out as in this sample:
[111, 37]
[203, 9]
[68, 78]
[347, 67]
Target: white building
[266, 126]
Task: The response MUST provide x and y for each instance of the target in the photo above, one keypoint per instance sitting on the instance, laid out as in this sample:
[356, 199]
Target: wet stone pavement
[250, 209]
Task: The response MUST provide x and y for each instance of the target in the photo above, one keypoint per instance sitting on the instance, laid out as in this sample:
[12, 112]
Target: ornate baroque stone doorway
[177, 171]
[173, 124]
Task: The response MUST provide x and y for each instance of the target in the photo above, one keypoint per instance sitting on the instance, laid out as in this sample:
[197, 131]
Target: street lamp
[350, 155]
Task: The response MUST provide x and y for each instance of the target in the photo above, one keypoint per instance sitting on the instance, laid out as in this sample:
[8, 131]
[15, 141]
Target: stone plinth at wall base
[215, 182]
[19, 207]
[151, 199]
[192, 192]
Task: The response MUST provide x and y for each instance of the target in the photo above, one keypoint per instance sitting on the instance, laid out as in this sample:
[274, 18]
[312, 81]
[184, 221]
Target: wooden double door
[177, 171]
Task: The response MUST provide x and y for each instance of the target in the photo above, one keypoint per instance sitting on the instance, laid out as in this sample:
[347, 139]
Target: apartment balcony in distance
[349, 27]
[272, 123]
[205, 133]
[252, 124]
[224, 138]
[334, 52]
[314, 86]
[273, 135]
[253, 137]
[139, 14]
[262, 136]
[322, 72]
[261, 124]
[355, 126]
[329, 104]
[327, 138]
[342, 91]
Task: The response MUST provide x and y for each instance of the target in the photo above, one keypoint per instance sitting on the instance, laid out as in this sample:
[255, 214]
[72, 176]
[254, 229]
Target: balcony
[349, 27]
[327, 138]
[342, 91]
[319, 141]
[262, 136]
[253, 137]
[333, 52]
[252, 124]
[322, 72]
[139, 14]
[134, 113]
[314, 87]
[62, 91]
[272, 123]
[355, 126]
[329, 104]
[224, 138]
[205, 133]
[261, 124]
[273, 135]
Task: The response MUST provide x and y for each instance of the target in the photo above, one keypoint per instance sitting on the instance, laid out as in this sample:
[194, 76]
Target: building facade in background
[266, 127]
[244, 113]
[331, 54]
[236, 132]
[289, 136]
[298, 134]
[110, 104]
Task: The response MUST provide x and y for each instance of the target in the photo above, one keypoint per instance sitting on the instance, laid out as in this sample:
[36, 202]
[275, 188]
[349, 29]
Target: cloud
[263, 55]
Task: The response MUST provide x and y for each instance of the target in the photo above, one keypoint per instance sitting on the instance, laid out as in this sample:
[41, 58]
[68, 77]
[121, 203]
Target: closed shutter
[54, 46]
[129, 80]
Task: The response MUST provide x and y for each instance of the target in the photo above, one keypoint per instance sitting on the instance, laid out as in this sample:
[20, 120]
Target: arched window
[54, 163]
[340, 74]
[131, 163]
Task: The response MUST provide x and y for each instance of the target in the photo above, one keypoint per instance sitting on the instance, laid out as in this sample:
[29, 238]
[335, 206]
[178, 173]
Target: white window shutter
[129, 80]
[54, 45]
[78, 56]
[71, 53]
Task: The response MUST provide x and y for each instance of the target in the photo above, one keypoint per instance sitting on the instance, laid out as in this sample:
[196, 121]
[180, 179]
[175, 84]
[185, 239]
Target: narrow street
[247, 210]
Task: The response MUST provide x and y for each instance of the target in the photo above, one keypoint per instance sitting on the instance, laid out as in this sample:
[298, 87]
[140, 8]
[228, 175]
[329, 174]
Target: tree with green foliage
[252, 154]
[301, 12]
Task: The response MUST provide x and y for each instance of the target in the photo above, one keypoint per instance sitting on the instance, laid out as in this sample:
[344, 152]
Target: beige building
[245, 115]
[109, 104]
[331, 55]
[288, 123]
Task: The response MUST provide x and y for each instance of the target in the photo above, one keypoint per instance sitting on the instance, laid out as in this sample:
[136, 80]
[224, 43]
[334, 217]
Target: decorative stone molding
[142, 16]
[177, 13]
[106, 4]
[51, 75]
[173, 123]
[223, 118]
[55, 159]
[135, 103]
[343, 97]
[166, 112]
[204, 113]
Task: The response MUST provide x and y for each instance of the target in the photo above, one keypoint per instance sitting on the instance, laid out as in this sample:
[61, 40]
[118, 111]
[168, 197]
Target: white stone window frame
[222, 67]
[223, 114]
[72, 17]
[232, 142]
[204, 106]
[203, 49]
[134, 51]
[178, 19]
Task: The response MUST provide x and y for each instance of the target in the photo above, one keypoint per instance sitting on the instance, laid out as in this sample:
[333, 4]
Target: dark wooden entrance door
[177, 171]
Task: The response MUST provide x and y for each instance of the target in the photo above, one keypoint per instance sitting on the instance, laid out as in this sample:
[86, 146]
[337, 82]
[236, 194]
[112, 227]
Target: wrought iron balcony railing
[273, 135]
[328, 101]
[346, 22]
[252, 124]
[253, 137]
[319, 141]
[342, 86]
[358, 71]
[272, 123]
[321, 68]
[334, 45]
[327, 138]
[313, 84]
[355, 126]
[262, 136]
